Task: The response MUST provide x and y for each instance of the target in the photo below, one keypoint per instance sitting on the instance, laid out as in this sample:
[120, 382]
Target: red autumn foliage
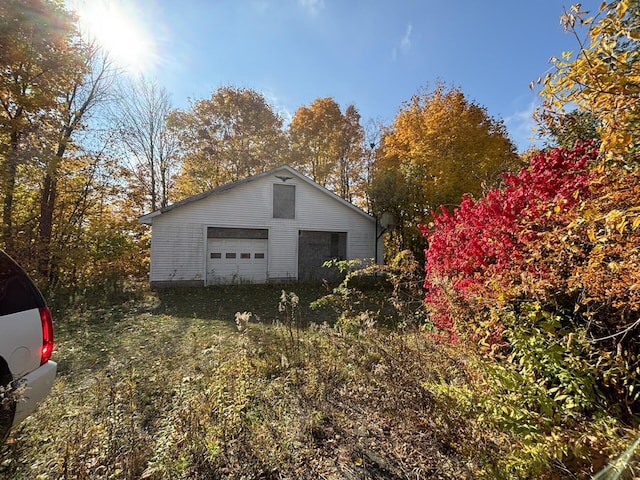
[471, 246]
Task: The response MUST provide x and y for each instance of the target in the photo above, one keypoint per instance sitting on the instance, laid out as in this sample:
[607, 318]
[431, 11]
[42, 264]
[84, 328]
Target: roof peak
[147, 218]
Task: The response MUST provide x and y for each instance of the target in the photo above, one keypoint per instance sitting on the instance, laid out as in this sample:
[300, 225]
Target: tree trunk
[164, 200]
[152, 169]
[9, 188]
[47, 206]
[45, 228]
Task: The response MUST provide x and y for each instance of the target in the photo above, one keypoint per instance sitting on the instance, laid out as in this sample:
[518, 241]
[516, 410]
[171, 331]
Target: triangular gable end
[147, 219]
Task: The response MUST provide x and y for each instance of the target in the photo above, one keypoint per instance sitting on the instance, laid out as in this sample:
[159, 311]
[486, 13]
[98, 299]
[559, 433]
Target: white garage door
[236, 260]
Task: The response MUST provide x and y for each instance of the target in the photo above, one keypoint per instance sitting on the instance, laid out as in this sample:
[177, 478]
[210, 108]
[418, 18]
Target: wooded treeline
[85, 149]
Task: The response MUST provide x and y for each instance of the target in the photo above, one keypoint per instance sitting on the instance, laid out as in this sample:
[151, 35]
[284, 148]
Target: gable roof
[147, 218]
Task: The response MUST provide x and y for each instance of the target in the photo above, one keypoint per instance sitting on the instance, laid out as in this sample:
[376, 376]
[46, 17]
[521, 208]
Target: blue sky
[372, 53]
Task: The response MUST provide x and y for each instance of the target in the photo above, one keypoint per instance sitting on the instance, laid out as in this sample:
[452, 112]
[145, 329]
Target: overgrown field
[167, 385]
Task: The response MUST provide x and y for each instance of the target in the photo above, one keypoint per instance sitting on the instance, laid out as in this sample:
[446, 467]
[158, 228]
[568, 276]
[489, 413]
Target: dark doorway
[315, 248]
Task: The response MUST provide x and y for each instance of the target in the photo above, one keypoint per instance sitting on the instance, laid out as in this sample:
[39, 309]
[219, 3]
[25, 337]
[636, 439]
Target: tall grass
[165, 386]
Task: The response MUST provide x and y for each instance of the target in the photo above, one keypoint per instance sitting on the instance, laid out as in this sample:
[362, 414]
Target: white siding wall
[177, 251]
[179, 235]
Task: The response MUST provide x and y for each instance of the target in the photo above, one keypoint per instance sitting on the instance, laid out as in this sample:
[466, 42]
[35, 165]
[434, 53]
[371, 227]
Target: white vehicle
[26, 343]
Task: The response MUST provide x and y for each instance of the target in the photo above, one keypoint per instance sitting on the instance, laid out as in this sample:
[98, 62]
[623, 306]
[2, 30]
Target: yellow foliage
[232, 135]
[603, 77]
[327, 147]
[439, 147]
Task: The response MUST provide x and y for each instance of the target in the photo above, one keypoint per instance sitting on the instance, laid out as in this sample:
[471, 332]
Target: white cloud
[521, 127]
[405, 43]
[278, 107]
[312, 6]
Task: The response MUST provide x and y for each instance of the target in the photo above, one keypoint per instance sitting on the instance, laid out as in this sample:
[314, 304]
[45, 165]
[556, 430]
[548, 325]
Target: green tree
[566, 129]
[232, 135]
[89, 195]
[439, 147]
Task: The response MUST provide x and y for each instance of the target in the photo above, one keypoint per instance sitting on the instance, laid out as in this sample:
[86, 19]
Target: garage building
[277, 226]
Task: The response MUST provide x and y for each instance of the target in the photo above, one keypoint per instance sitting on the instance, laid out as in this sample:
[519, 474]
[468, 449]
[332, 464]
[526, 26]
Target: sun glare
[119, 31]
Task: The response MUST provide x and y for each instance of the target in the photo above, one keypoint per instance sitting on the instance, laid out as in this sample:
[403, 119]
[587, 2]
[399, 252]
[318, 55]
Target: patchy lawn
[163, 385]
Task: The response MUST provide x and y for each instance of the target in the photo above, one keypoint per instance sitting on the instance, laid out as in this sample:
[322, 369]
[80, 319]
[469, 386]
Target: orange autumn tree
[327, 146]
[230, 136]
[440, 146]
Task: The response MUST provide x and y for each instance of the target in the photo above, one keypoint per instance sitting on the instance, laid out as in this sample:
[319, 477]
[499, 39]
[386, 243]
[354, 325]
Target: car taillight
[47, 335]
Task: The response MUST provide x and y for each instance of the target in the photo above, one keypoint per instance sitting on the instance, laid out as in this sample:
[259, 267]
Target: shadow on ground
[223, 301]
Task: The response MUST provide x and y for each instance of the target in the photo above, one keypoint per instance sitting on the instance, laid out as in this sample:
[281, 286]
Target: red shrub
[470, 247]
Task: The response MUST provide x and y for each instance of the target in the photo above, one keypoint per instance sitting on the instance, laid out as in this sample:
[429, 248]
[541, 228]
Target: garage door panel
[237, 260]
